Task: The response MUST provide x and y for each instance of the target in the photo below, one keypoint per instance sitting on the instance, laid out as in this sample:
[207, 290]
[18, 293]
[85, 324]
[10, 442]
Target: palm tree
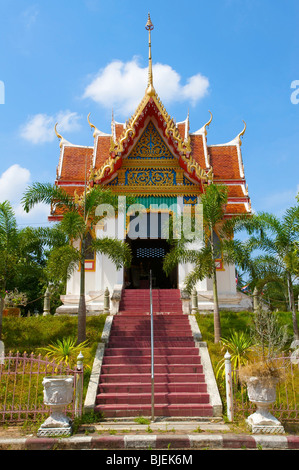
[79, 218]
[8, 250]
[214, 247]
[279, 239]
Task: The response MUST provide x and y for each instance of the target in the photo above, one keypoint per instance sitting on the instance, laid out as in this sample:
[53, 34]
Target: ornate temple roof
[194, 159]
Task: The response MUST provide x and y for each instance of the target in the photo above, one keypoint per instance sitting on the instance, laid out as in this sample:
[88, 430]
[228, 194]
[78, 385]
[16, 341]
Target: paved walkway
[168, 435]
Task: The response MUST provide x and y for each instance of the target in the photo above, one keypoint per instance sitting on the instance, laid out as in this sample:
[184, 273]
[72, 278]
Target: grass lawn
[233, 321]
[27, 334]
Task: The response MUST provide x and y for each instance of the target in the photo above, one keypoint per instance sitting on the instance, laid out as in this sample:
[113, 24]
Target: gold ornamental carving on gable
[150, 177]
[155, 181]
[183, 146]
[150, 146]
[151, 169]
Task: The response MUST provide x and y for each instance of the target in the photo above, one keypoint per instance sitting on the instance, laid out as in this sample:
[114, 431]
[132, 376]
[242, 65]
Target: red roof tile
[73, 163]
[224, 160]
[103, 150]
[198, 152]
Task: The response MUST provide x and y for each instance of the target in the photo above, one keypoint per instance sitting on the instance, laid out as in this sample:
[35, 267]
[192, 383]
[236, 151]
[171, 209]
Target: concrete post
[107, 301]
[194, 302]
[2, 353]
[229, 387]
[79, 386]
[47, 303]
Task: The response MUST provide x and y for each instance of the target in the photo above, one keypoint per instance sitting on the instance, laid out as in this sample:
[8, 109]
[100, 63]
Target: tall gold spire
[150, 87]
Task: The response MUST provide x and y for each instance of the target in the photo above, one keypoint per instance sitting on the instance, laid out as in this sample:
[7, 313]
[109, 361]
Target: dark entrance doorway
[148, 254]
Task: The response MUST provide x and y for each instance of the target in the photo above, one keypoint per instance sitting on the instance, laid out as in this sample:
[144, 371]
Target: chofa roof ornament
[242, 133]
[63, 141]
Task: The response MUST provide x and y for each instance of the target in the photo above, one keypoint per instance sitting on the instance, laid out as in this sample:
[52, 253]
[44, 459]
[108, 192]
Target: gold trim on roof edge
[171, 131]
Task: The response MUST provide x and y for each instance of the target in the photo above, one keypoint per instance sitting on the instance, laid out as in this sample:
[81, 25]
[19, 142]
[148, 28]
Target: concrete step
[138, 387]
[110, 411]
[146, 369]
[159, 351]
[119, 360]
[146, 377]
[145, 398]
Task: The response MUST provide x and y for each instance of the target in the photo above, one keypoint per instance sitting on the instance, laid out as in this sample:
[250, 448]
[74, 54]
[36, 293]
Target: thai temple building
[163, 164]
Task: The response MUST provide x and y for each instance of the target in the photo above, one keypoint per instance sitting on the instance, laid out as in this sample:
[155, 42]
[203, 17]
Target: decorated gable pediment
[152, 169]
[150, 146]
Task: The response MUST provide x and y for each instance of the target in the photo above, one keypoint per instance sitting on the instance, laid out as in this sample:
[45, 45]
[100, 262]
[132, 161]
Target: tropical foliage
[79, 217]
[23, 258]
[239, 344]
[277, 261]
[217, 243]
[65, 350]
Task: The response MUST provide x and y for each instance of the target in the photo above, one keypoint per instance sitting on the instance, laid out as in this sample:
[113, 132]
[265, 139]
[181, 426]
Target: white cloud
[121, 85]
[29, 16]
[9, 190]
[38, 216]
[12, 192]
[39, 128]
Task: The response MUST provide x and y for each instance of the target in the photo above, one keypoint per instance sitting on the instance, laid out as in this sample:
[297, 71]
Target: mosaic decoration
[155, 177]
[152, 170]
[150, 146]
[187, 182]
[190, 200]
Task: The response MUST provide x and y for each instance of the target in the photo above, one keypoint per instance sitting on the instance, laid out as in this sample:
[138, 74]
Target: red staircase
[138, 301]
[125, 382]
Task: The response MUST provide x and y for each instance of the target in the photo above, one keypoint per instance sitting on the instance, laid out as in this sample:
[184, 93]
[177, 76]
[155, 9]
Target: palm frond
[117, 251]
[73, 225]
[269, 221]
[8, 225]
[48, 194]
[214, 200]
[62, 262]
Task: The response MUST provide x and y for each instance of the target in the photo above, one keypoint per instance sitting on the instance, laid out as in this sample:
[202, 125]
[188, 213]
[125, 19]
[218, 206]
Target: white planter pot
[262, 393]
[58, 393]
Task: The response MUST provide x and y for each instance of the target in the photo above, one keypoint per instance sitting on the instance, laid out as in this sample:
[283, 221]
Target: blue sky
[61, 60]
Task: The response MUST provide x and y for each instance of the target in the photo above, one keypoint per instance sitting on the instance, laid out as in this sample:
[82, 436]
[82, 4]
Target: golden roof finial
[55, 128]
[242, 133]
[63, 141]
[91, 125]
[58, 135]
[150, 87]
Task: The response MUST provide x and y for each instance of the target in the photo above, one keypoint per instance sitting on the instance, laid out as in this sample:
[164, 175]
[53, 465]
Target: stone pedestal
[263, 394]
[58, 393]
[263, 422]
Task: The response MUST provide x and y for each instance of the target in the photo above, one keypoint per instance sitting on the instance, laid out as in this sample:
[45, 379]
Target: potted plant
[12, 302]
[262, 372]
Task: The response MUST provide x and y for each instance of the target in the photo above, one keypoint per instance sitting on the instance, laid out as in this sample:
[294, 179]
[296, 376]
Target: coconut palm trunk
[217, 326]
[82, 302]
[1, 315]
[292, 306]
